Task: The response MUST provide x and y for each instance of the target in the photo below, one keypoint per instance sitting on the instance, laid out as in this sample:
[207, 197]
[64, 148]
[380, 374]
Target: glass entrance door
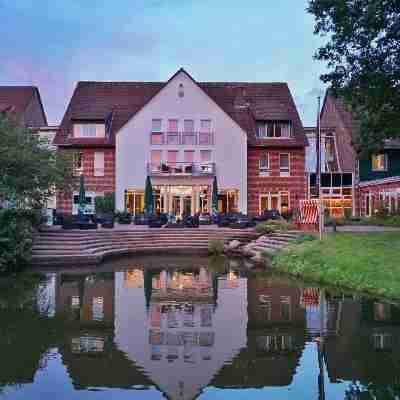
[187, 205]
[176, 205]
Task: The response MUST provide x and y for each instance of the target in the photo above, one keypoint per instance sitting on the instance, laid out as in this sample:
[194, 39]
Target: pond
[192, 328]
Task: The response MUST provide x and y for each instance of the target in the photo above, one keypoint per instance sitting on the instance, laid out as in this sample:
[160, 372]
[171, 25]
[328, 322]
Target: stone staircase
[269, 243]
[58, 247]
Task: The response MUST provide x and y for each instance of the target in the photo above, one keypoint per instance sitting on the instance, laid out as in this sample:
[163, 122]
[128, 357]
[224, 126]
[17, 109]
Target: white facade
[228, 150]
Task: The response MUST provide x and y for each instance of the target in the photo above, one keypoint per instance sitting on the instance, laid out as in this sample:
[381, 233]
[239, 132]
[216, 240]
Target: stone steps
[58, 247]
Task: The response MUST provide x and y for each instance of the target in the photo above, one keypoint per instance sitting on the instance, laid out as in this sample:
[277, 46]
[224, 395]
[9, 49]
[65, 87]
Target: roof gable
[266, 101]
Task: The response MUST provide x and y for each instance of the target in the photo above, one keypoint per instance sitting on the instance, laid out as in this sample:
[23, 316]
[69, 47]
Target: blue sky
[55, 43]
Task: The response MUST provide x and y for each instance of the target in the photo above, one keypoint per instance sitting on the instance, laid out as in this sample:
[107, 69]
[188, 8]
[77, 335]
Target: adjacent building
[24, 105]
[380, 180]
[351, 185]
[338, 159]
[183, 133]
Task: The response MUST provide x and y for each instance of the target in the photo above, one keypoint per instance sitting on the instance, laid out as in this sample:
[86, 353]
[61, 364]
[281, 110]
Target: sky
[53, 44]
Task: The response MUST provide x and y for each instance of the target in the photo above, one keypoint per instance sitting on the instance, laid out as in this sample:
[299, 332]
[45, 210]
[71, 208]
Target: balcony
[182, 138]
[181, 169]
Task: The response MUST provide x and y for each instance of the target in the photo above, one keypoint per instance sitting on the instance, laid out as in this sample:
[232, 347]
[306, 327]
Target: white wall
[133, 147]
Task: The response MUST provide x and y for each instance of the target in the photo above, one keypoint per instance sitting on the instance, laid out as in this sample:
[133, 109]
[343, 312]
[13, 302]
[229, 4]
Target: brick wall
[258, 185]
[374, 190]
[98, 184]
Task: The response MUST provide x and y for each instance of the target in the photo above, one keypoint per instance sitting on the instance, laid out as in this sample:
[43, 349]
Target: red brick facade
[258, 185]
[374, 190]
[98, 184]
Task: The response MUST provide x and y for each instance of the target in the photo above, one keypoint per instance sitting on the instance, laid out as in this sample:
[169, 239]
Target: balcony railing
[182, 138]
[181, 169]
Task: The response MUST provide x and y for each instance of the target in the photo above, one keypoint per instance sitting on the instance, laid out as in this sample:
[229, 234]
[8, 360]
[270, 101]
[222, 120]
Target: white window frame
[263, 171]
[81, 130]
[266, 124]
[385, 161]
[155, 129]
[284, 172]
[98, 157]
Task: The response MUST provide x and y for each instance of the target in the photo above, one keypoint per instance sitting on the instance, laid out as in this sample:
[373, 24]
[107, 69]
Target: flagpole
[320, 202]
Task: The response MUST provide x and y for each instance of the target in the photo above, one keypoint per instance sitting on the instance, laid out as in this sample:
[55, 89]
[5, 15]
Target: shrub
[264, 228]
[16, 239]
[347, 213]
[105, 204]
[216, 246]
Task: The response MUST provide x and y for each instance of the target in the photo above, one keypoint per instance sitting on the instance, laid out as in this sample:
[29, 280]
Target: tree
[363, 55]
[30, 172]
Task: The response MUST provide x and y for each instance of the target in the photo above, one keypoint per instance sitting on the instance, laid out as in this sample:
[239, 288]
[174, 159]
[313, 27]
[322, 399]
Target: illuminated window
[379, 162]
[98, 309]
[78, 163]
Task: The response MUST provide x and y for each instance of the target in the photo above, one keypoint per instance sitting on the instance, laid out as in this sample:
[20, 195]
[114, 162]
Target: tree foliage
[30, 172]
[363, 55]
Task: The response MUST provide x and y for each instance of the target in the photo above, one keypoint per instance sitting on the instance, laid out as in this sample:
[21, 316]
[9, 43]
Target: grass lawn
[368, 262]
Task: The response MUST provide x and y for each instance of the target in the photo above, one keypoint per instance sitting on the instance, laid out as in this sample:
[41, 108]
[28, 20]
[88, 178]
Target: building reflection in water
[185, 329]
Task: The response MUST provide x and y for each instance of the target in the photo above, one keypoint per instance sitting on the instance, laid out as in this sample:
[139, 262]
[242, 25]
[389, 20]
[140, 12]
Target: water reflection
[183, 328]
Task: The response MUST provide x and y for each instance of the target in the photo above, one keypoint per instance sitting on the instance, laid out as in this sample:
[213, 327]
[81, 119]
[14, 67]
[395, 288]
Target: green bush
[216, 246]
[105, 204]
[264, 228]
[16, 239]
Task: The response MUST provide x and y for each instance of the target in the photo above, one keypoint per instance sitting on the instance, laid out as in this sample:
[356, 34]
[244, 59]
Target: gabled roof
[343, 134]
[259, 101]
[16, 99]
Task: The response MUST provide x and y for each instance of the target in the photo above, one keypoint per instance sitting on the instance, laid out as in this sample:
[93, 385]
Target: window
[273, 129]
[205, 125]
[156, 160]
[264, 165]
[205, 156]
[97, 308]
[188, 156]
[156, 125]
[285, 308]
[78, 163]
[172, 156]
[379, 162]
[284, 202]
[172, 125]
[98, 163]
[188, 135]
[205, 135]
[261, 130]
[89, 130]
[284, 164]
[88, 199]
[188, 125]
[157, 138]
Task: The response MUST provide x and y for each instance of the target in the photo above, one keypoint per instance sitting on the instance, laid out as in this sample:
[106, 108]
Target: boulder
[234, 244]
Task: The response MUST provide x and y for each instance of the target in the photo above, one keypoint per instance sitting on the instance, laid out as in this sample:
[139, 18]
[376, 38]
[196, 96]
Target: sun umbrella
[214, 199]
[82, 194]
[148, 196]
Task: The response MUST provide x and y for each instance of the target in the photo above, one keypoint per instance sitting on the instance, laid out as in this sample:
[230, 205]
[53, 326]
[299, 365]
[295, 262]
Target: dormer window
[274, 129]
[89, 130]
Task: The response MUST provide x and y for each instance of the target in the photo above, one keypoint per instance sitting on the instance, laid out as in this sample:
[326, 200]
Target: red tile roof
[17, 98]
[259, 101]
